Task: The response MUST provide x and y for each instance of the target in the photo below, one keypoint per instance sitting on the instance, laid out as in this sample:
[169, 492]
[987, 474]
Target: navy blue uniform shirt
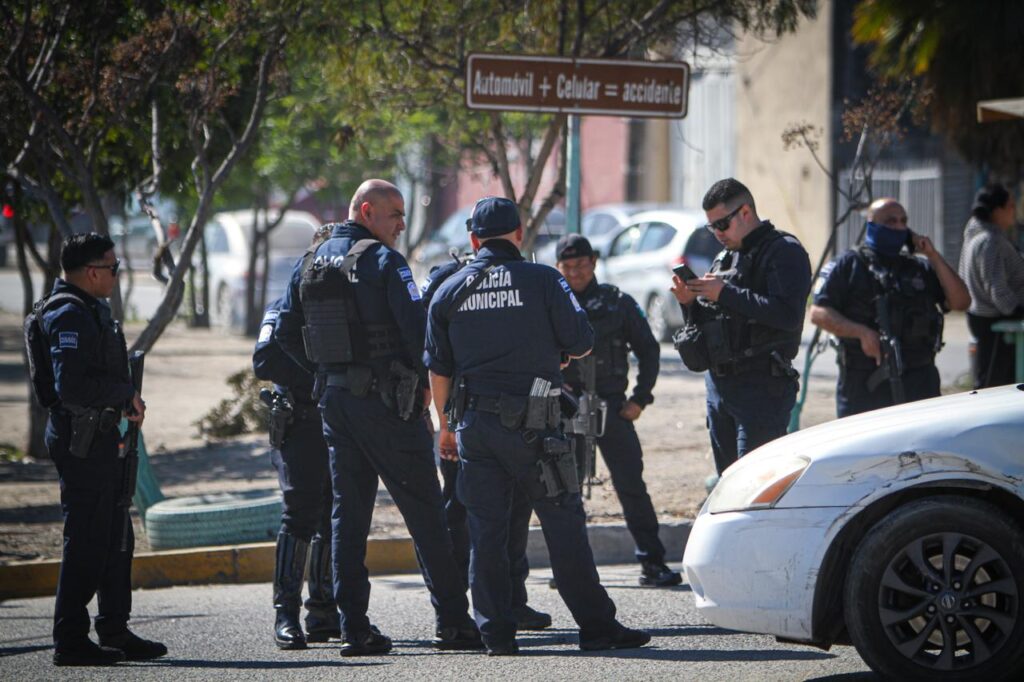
[271, 363]
[385, 293]
[512, 329]
[90, 366]
[847, 286]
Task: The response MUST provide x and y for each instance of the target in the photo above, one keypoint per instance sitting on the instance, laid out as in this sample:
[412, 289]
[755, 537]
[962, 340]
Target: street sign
[605, 87]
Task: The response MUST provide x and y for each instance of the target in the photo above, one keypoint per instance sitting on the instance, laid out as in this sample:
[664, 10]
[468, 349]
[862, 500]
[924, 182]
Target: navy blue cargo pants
[366, 440]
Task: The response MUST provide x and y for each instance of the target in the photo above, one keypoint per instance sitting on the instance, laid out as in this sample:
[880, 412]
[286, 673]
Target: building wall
[781, 83]
[602, 167]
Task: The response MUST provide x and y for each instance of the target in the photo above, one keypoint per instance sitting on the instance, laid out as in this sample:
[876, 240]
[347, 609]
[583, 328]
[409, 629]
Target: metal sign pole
[572, 189]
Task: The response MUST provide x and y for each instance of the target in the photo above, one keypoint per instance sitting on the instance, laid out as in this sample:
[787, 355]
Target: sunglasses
[722, 224]
[113, 268]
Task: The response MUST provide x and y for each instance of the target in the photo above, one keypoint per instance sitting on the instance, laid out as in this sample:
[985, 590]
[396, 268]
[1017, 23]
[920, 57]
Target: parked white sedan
[898, 530]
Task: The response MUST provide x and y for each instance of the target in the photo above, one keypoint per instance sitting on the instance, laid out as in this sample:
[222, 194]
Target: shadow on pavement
[252, 665]
[18, 650]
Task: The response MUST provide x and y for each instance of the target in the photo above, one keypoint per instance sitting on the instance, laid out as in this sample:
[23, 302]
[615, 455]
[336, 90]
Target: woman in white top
[993, 270]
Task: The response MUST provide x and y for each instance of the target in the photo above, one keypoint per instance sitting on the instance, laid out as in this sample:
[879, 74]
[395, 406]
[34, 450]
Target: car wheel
[934, 593]
[656, 318]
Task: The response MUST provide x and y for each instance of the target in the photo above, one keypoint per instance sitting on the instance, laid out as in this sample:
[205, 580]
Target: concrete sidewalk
[254, 563]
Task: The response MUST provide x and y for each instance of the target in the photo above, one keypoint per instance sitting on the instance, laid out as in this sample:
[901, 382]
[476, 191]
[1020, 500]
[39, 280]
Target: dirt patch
[185, 377]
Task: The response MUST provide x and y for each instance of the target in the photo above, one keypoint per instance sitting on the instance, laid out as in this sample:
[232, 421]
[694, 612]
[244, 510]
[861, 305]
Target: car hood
[977, 435]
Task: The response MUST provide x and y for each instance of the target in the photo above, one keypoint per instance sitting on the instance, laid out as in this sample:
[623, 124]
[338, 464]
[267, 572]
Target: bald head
[378, 206]
[889, 212]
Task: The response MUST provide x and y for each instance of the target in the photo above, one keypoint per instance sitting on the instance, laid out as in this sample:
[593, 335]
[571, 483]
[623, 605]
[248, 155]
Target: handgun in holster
[406, 384]
[281, 413]
[556, 467]
[455, 408]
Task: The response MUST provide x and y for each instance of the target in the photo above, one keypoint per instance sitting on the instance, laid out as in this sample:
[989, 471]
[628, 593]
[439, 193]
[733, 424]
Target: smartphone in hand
[684, 272]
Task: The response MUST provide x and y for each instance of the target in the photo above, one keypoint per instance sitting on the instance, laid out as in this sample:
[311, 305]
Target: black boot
[657, 574]
[288, 572]
[322, 619]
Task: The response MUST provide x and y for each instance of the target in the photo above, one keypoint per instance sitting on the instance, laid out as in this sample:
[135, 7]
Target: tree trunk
[34, 445]
[202, 318]
[258, 238]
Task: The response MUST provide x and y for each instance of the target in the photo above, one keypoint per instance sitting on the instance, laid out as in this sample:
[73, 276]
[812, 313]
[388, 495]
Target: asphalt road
[223, 632]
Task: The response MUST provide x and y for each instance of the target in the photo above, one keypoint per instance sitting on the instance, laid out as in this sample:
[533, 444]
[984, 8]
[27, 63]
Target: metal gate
[918, 188]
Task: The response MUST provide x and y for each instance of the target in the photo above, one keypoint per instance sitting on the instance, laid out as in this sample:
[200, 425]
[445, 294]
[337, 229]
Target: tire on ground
[210, 520]
[974, 530]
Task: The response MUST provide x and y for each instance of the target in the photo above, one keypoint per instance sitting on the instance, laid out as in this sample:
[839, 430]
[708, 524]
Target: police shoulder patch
[270, 317]
[405, 274]
[575, 303]
[266, 331]
[67, 340]
[414, 292]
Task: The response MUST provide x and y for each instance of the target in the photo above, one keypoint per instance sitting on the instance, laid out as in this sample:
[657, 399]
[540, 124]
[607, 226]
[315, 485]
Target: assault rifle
[891, 368]
[589, 420]
[130, 449]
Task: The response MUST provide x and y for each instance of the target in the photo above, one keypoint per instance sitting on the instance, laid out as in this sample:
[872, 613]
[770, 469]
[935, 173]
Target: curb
[254, 563]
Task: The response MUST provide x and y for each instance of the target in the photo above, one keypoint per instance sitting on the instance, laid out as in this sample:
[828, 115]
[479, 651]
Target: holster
[405, 383]
[455, 408]
[556, 468]
[85, 422]
[281, 417]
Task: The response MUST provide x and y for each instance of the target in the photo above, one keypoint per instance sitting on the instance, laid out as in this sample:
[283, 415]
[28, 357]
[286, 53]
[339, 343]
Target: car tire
[211, 520]
[917, 582]
[655, 312]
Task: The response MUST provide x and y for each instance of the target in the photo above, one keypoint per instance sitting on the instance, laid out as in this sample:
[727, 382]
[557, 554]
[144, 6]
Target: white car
[640, 258]
[228, 240]
[899, 530]
[599, 225]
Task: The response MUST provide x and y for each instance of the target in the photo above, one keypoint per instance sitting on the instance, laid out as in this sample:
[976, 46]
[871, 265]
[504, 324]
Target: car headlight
[756, 483]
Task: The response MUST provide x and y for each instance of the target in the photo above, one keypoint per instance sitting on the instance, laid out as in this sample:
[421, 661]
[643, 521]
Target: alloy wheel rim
[948, 601]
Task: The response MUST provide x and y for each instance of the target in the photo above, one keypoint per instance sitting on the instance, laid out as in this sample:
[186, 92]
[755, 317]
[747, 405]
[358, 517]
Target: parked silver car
[640, 258]
[228, 239]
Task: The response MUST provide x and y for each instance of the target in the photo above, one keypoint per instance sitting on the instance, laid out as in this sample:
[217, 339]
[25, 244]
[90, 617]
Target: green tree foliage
[409, 59]
[963, 52]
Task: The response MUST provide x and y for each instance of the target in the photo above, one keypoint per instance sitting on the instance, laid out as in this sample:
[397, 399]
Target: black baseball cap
[573, 246]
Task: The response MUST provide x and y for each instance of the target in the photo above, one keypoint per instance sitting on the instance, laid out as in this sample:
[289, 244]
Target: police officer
[914, 293]
[496, 332]
[749, 312]
[353, 310]
[300, 456]
[619, 327]
[90, 370]
[527, 618]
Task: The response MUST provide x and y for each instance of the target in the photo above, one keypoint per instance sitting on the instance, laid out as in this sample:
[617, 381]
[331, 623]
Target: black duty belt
[342, 380]
[483, 403]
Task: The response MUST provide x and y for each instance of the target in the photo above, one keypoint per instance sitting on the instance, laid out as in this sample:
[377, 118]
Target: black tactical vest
[607, 317]
[334, 334]
[914, 314]
[744, 338]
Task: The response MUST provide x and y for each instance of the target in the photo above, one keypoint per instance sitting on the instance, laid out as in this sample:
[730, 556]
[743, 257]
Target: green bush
[242, 412]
